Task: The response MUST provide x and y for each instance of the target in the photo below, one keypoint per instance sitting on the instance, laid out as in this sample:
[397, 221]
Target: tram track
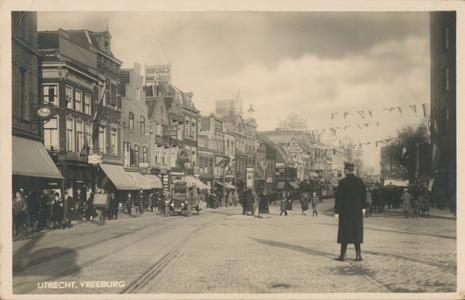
[152, 272]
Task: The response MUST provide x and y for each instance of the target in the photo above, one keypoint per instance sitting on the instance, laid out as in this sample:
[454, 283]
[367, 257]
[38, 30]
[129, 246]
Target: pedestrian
[113, 211]
[19, 211]
[290, 199]
[141, 199]
[57, 210]
[249, 199]
[263, 206]
[90, 211]
[369, 201]
[427, 201]
[314, 200]
[349, 208]
[406, 198]
[421, 203]
[283, 204]
[150, 201]
[34, 210]
[68, 209]
[45, 209]
[130, 202]
[304, 203]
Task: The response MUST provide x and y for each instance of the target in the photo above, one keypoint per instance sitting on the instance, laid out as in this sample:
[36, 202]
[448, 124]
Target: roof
[47, 40]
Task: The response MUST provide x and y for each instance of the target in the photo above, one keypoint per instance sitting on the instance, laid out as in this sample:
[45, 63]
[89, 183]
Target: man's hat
[349, 164]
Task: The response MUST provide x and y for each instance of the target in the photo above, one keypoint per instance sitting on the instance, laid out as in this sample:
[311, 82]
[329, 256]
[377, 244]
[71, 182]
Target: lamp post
[224, 172]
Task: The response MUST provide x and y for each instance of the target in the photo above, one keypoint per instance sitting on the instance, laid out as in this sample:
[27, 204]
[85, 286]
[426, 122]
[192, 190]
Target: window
[131, 121]
[23, 95]
[127, 154]
[78, 101]
[107, 98]
[69, 96]
[114, 141]
[113, 95]
[144, 154]
[87, 104]
[51, 134]
[87, 137]
[138, 94]
[70, 135]
[50, 93]
[136, 153]
[142, 124]
[186, 127]
[101, 139]
[79, 136]
[446, 78]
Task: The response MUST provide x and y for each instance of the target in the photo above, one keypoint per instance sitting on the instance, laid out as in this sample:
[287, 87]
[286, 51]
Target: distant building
[443, 101]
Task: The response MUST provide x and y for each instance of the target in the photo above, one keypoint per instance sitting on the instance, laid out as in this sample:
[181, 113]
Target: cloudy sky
[311, 64]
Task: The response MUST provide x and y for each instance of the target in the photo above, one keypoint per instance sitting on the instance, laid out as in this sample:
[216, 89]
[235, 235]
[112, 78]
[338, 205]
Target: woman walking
[304, 203]
[314, 200]
[263, 206]
[283, 204]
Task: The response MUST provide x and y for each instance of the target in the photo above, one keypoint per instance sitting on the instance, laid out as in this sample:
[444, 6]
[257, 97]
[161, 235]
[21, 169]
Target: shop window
[51, 134]
[50, 93]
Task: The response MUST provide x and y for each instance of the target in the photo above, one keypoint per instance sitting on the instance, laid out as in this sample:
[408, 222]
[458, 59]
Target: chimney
[137, 68]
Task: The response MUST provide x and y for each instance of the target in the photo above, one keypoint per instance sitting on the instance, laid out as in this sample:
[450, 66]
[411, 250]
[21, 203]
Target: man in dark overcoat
[349, 209]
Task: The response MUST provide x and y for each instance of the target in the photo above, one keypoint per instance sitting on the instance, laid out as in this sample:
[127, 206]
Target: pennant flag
[323, 131]
[368, 143]
[376, 144]
[377, 124]
[345, 114]
[361, 113]
[345, 127]
[334, 151]
[400, 111]
[333, 130]
[369, 112]
[332, 116]
[414, 108]
[366, 124]
[391, 109]
[359, 127]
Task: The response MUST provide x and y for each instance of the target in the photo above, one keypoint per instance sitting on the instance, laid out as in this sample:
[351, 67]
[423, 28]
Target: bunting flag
[359, 127]
[390, 109]
[361, 113]
[377, 124]
[332, 116]
[366, 124]
[345, 127]
[345, 115]
[424, 105]
[333, 130]
[376, 144]
[400, 111]
[368, 143]
[414, 108]
[369, 112]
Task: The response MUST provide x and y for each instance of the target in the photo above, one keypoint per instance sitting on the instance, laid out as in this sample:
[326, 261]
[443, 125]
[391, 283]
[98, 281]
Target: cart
[101, 207]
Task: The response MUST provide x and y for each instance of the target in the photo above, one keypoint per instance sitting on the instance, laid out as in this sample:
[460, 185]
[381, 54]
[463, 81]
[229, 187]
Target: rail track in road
[136, 284]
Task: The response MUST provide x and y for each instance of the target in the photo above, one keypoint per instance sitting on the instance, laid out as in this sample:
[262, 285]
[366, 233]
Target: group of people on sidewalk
[255, 205]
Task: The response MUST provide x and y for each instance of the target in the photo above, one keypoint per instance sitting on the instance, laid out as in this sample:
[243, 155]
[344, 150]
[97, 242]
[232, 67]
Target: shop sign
[183, 155]
[95, 159]
[171, 130]
[44, 112]
[143, 165]
[294, 149]
[158, 73]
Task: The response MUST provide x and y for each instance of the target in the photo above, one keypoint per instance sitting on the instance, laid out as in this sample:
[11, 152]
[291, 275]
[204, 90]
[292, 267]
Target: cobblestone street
[223, 251]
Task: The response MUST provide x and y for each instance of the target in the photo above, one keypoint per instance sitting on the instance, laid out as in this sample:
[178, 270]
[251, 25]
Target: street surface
[223, 251]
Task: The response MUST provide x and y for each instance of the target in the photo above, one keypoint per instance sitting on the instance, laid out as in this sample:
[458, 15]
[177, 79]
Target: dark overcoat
[351, 198]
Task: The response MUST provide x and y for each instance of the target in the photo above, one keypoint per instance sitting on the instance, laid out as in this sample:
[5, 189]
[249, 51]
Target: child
[315, 199]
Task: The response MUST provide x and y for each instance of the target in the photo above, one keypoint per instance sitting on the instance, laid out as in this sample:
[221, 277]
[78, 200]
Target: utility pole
[224, 172]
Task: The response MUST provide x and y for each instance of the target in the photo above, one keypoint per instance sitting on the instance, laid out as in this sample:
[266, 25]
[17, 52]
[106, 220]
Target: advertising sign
[94, 159]
[171, 130]
[158, 73]
[44, 112]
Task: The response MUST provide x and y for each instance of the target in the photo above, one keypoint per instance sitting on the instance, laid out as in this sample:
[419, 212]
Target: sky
[311, 64]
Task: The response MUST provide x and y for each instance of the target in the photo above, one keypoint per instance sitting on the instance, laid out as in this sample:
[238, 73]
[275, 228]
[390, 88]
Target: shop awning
[31, 159]
[229, 186]
[280, 185]
[196, 182]
[119, 177]
[141, 180]
[155, 182]
[294, 185]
